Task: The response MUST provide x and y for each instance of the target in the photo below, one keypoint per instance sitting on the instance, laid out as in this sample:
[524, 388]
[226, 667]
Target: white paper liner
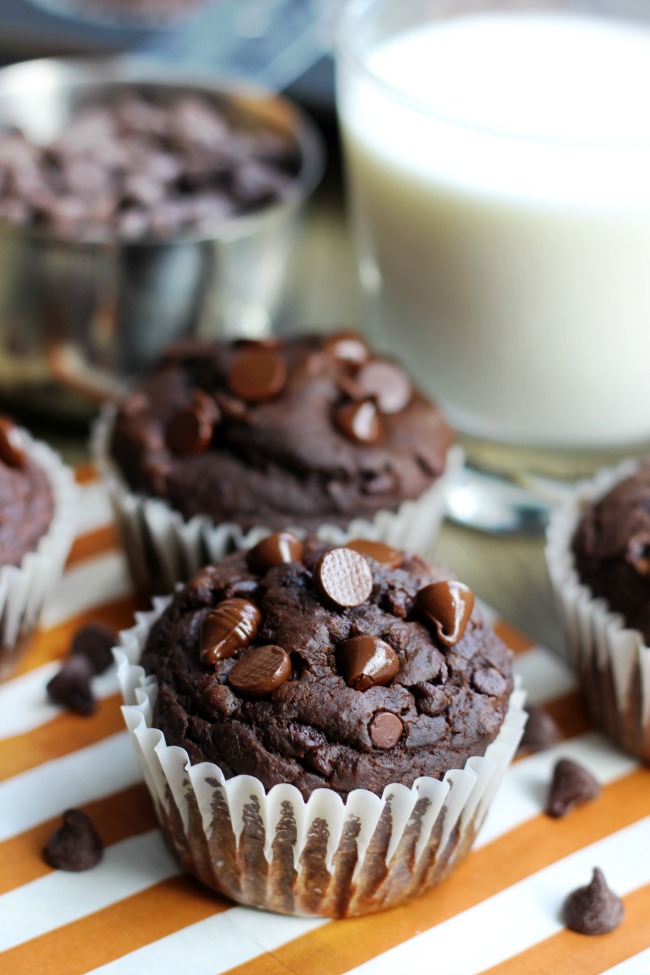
[612, 661]
[163, 548]
[324, 856]
[24, 588]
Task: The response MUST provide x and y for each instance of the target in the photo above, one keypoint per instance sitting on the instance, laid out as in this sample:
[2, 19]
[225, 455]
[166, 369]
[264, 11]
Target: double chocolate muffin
[26, 499]
[612, 549]
[348, 668]
[598, 555]
[298, 432]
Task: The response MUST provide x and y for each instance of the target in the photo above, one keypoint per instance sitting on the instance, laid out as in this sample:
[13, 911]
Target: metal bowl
[77, 319]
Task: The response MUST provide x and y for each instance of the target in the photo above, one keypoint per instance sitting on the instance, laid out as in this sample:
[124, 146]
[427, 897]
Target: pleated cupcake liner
[611, 660]
[324, 856]
[24, 588]
[163, 548]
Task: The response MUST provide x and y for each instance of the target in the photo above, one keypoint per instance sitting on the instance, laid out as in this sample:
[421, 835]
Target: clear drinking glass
[497, 159]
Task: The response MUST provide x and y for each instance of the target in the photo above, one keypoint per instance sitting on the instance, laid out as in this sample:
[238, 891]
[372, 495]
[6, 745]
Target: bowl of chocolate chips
[138, 207]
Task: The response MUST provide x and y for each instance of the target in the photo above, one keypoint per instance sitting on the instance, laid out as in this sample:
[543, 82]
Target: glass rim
[347, 48]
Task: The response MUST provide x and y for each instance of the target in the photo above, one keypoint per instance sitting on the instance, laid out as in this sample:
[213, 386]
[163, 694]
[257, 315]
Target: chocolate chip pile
[298, 432]
[141, 167]
[349, 667]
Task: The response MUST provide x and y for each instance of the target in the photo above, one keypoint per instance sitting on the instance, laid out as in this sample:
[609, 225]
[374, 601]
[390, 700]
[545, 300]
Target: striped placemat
[137, 914]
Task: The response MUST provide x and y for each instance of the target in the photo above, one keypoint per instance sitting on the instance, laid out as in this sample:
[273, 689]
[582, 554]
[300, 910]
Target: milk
[501, 201]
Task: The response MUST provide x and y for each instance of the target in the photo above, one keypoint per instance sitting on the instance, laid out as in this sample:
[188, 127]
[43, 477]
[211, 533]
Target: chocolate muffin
[326, 698]
[598, 555]
[26, 499]
[341, 672]
[611, 547]
[302, 432]
[37, 499]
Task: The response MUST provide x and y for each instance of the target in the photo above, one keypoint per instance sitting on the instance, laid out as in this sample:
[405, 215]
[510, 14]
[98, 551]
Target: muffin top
[612, 549]
[343, 668]
[294, 432]
[26, 500]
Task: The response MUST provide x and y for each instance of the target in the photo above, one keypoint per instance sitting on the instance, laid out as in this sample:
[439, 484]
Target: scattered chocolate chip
[274, 550]
[190, 430]
[386, 384]
[343, 576]
[385, 729]
[379, 551]
[95, 642]
[541, 731]
[11, 444]
[347, 347]
[448, 605]
[260, 671]
[488, 680]
[359, 421]
[593, 909]
[257, 374]
[71, 687]
[572, 785]
[367, 661]
[76, 845]
[230, 627]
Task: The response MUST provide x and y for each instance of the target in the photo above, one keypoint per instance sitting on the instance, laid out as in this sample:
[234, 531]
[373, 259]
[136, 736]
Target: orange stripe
[85, 473]
[116, 817]
[517, 642]
[65, 733]
[338, 947]
[568, 951]
[115, 931]
[92, 543]
[52, 644]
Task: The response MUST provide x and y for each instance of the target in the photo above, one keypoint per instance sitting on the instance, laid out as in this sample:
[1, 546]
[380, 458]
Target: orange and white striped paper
[137, 914]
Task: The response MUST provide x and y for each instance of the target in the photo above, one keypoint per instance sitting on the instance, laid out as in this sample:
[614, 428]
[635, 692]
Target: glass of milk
[498, 167]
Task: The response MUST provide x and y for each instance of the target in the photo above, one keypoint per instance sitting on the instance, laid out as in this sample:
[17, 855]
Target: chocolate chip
[367, 661]
[385, 729]
[380, 552]
[95, 642]
[71, 687]
[359, 422]
[448, 605]
[260, 671]
[76, 845]
[541, 731]
[11, 444]
[343, 576]
[347, 347]
[488, 680]
[593, 909]
[273, 550]
[190, 430]
[230, 627]
[257, 374]
[572, 785]
[386, 384]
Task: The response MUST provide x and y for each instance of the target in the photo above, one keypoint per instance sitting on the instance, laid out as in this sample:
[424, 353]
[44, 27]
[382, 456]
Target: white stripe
[82, 776]
[522, 915]
[524, 789]
[94, 509]
[545, 675]
[61, 897]
[214, 945]
[87, 585]
[637, 965]
[24, 704]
